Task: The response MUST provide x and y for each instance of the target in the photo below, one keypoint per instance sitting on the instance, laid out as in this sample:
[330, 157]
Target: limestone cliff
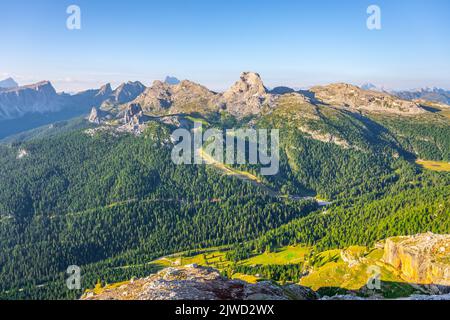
[421, 259]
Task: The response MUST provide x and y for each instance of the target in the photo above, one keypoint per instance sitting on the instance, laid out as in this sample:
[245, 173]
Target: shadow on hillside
[377, 133]
[388, 290]
[431, 109]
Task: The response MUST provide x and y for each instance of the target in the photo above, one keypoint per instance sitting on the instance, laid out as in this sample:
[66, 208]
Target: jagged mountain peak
[127, 87]
[8, 83]
[247, 96]
[172, 80]
[105, 90]
[249, 82]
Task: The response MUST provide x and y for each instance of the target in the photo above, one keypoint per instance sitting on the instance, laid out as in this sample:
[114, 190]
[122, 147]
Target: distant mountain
[8, 83]
[171, 80]
[282, 90]
[124, 93]
[372, 87]
[37, 98]
[187, 96]
[428, 94]
[348, 96]
[28, 107]
[248, 96]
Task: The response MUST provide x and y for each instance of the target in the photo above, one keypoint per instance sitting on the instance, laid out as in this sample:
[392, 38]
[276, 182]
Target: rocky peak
[8, 83]
[247, 96]
[249, 84]
[343, 95]
[105, 90]
[171, 80]
[127, 92]
[198, 283]
[187, 96]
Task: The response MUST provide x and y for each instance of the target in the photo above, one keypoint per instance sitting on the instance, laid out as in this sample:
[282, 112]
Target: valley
[102, 191]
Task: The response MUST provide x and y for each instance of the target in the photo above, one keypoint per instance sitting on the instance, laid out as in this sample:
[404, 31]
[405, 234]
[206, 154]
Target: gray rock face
[133, 114]
[107, 97]
[124, 93]
[248, 96]
[172, 80]
[199, 283]
[37, 98]
[8, 83]
[93, 116]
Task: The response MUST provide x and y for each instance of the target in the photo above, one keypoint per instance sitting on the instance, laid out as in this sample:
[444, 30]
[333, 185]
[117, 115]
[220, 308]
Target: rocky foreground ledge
[199, 283]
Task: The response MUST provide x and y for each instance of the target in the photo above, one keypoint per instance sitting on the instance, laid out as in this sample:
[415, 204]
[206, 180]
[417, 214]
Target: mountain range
[26, 107]
[357, 169]
[247, 96]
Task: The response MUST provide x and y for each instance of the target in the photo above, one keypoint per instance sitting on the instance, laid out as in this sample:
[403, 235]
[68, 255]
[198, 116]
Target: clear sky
[295, 43]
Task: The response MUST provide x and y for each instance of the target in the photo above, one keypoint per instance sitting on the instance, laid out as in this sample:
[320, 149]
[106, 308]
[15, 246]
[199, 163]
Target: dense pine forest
[111, 202]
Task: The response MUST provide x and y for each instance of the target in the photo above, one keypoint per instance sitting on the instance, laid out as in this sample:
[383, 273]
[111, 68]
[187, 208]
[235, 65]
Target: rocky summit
[8, 84]
[248, 95]
[197, 283]
[186, 96]
[347, 96]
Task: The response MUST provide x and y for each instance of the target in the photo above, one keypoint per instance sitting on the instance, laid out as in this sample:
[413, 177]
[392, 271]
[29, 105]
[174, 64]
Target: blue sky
[295, 43]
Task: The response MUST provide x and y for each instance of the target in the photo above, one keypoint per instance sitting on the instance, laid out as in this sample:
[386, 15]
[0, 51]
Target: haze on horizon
[291, 43]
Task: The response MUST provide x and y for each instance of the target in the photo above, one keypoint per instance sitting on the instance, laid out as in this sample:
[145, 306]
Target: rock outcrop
[248, 96]
[421, 259]
[342, 95]
[124, 93]
[94, 116]
[198, 283]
